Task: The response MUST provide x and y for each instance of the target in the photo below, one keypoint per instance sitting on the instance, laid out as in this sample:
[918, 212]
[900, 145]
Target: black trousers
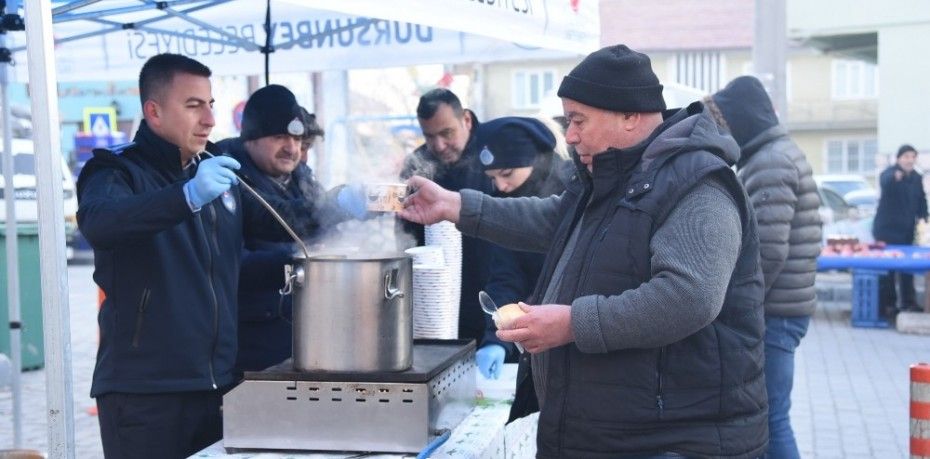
[888, 297]
[166, 425]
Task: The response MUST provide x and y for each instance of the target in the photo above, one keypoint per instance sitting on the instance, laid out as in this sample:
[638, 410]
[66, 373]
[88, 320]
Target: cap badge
[295, 127]
[229, 202]
[486, 157]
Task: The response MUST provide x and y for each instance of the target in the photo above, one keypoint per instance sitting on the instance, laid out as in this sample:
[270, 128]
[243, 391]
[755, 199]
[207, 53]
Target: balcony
[833, 114]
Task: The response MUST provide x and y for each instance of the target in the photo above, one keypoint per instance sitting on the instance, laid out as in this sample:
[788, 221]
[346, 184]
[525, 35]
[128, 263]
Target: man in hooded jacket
[646, 324]
[783, 193]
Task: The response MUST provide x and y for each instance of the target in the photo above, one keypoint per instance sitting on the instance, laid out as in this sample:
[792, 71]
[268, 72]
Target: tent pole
[12, 253]
[54, 274]
[268, 48]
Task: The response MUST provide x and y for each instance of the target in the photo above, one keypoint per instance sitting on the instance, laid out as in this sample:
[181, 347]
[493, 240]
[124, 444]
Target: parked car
[843, 184]
[832, 206]
[854, 189]
[865, 201]
[842, 218]
[24, 182]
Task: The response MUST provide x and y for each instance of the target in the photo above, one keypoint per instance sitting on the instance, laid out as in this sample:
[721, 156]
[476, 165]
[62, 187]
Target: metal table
[866, 271]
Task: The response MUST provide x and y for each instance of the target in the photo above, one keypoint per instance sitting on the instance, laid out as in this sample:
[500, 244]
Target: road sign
[100, 121]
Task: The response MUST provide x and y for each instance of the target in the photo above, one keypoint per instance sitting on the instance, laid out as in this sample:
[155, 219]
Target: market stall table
[481, 435]
[866, 269]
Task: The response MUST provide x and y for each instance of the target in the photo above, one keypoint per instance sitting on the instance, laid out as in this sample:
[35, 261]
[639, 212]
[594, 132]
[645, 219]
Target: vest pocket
[140, 316]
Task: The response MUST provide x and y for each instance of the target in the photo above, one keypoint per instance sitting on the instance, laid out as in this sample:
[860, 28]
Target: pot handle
[292, 275]
[391, 291]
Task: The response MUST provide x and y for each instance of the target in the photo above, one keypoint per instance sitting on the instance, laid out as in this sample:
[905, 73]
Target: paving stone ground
[850, 400]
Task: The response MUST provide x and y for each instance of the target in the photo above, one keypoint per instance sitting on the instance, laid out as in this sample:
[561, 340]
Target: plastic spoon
[490, 308]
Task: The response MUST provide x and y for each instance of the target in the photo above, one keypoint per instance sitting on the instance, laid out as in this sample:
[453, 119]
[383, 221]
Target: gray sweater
[693, 255]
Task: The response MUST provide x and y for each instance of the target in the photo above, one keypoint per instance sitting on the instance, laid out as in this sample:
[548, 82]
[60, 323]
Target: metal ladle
[243, 184]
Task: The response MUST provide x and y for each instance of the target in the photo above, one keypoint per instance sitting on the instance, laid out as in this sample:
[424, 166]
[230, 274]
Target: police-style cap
[271, 110]
[512, 141]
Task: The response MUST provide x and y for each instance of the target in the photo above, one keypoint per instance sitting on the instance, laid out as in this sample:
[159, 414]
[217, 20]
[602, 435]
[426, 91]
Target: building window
[851, 156]
[854, 80]
[531, 86]
[705, 70]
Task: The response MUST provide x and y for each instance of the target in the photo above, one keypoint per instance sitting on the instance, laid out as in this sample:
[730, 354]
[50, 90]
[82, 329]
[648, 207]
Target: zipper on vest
[607, 221]
[660, 403]
[209, 209]
[216, 303]
[140, 314]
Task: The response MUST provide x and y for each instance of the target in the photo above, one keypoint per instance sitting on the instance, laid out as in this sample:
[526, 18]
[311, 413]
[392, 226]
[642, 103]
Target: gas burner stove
[283, 409]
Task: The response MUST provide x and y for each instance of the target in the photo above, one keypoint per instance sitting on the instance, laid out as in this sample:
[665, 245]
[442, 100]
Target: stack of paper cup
[427, 255]
[445, 235]
[432, 315]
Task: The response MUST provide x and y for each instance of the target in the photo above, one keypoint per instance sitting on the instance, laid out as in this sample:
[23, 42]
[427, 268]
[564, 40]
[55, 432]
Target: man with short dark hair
[166, 226]
[450, 158]
[646, 323]
[901, 204]
[269, 148]
[161, 240]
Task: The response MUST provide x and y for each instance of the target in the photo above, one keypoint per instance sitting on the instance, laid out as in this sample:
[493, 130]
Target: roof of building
[686, 24]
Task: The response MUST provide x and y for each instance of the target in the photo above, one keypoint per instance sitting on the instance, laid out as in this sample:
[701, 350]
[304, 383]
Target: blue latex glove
[214, 176]
[352, 200]
[490, 359]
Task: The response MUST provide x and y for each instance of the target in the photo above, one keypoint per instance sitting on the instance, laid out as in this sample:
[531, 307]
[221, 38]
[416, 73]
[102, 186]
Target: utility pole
[769, 52]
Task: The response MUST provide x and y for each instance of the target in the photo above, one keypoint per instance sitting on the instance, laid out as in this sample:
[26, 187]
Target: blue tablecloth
[908, 263]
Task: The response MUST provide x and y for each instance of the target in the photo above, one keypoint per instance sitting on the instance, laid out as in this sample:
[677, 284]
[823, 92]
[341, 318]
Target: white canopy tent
[111, 40]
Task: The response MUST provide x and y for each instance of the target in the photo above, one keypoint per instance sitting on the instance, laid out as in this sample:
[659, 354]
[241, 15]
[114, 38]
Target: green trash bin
[30, 297]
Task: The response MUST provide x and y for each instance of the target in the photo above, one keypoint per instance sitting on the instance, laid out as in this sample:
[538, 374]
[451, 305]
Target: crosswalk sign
[100, 121]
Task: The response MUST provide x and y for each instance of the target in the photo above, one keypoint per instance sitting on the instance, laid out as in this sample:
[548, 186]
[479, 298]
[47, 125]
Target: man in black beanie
[269, 147]
[646, 323]
[902, 203]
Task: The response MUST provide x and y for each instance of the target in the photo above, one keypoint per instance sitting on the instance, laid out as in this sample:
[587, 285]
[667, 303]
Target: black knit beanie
[617, 79]
[271, 110]
[512, 141]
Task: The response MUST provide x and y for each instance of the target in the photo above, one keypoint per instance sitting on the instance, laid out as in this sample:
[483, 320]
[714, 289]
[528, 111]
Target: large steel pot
[352, 313]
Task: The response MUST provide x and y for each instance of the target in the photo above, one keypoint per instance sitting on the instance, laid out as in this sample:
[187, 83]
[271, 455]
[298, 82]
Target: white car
[24, 182]
[843, 184]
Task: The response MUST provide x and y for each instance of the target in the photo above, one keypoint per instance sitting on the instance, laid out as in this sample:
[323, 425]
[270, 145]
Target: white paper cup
[426, 255]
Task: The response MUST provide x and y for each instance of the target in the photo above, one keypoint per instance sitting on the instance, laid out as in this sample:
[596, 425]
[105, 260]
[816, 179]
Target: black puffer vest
[703, 396]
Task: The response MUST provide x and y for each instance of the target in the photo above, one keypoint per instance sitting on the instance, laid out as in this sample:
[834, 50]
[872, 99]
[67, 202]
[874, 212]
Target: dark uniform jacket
[513, 274]
[168, 323]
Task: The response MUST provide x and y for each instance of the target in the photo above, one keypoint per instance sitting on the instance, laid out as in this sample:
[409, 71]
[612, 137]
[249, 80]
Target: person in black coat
[901, 204]
[275, 130]
[519, 156]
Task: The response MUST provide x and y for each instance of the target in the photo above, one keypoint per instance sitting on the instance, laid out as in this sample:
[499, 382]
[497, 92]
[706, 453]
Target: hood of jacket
[744, 108]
